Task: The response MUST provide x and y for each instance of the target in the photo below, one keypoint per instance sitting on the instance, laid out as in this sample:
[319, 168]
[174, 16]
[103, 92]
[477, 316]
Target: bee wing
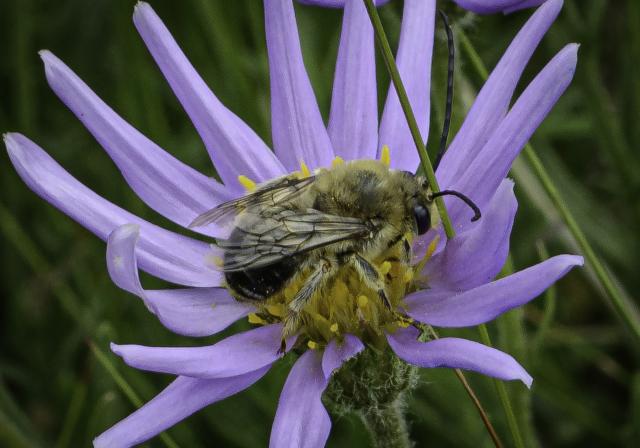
[270, 194]
[263, 240]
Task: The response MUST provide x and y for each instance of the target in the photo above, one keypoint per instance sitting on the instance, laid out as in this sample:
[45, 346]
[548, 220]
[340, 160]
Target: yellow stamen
[362, 301]
[337, 161]
[304, 170]
[255, 319]
[334, 328]
[312, 345]
[276, 309]
[247, 183]
[385, 267]
[385, 155]
[432, 246]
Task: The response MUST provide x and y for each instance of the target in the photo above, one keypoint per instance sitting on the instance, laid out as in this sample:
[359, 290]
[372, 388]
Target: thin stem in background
[392, 68]
[14, 233]
[616, 299]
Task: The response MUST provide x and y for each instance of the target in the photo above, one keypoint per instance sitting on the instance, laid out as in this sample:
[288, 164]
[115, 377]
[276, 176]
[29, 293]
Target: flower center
[346, 304]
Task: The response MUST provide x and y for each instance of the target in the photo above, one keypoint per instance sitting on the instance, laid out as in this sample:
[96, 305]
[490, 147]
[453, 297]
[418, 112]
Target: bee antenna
[476, 210]
[447, 112]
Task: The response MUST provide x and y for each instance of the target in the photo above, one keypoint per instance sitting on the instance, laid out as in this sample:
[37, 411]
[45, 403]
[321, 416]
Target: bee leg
[314, 283]
[371, 277]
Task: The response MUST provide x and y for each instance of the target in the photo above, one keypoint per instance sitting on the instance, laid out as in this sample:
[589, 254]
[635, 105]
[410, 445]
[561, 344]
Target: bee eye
[423, 220]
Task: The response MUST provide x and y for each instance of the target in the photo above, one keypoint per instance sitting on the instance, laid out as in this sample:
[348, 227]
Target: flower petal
[335, 3]
[353, 121]
[161, 253]
[297, 128]
[233, 146]
[456, 353]
[414, 63]
[190, 312]
[301, 420]
[493, 6]
[180, 399]
[235, 355]
[338, 353]
[486, 302]
[167, 185]
[492, 102]
[493, 162]
[475, 256]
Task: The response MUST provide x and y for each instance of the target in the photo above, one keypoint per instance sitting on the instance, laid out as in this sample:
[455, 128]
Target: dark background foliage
[59, 384]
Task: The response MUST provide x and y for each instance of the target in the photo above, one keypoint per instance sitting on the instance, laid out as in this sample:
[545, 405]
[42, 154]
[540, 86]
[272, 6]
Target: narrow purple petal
[301, 420]
[167, 185]
[297, 128]
[492, 102]
[338, 353]
[235, 355]
[414, 63]
[161, 253]
[336, 3]
[196, 312]
[353, 121]
[475, 256]
[190, 312]
[493, 6]
[456, 354]
[493, 162]
[486, 302]
[180, 399]
[233, 146]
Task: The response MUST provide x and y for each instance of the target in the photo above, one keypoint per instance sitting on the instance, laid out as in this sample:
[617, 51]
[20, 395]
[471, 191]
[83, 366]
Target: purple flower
[478, 6]
[459, 272]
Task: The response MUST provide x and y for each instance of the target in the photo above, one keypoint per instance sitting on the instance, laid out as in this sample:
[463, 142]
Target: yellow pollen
[312, 345]
[276, 309]
[362, 301]
[247, 183]
[385, 267]
[304, 170]
[337, 161]
[408, 276]
[334, 328]
[255, 319]
[385, 155]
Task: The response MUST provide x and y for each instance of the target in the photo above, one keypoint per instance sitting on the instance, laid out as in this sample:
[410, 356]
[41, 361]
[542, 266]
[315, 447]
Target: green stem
[504, 396]
[392, 68]
[616, 298]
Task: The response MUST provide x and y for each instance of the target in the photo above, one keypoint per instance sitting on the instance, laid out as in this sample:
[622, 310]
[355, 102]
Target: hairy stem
[387, 426]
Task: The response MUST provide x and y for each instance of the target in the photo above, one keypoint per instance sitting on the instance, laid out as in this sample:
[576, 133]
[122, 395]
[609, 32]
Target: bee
[309, 230]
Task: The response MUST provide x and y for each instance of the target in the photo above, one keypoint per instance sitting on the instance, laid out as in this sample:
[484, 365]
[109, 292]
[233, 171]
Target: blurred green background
[59, 310]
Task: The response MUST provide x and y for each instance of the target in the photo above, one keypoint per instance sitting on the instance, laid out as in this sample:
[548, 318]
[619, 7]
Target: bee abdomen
[261, 283]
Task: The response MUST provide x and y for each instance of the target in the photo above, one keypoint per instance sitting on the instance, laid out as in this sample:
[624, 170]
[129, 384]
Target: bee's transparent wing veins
[267, 195]
[260, 240]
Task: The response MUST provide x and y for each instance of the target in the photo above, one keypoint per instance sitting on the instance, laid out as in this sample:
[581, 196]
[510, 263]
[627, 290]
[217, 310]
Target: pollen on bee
[312, 345]
[247, 183]
[362, 301]
[385, 155]
[334, 328]
[408, 276]
[304, 170]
